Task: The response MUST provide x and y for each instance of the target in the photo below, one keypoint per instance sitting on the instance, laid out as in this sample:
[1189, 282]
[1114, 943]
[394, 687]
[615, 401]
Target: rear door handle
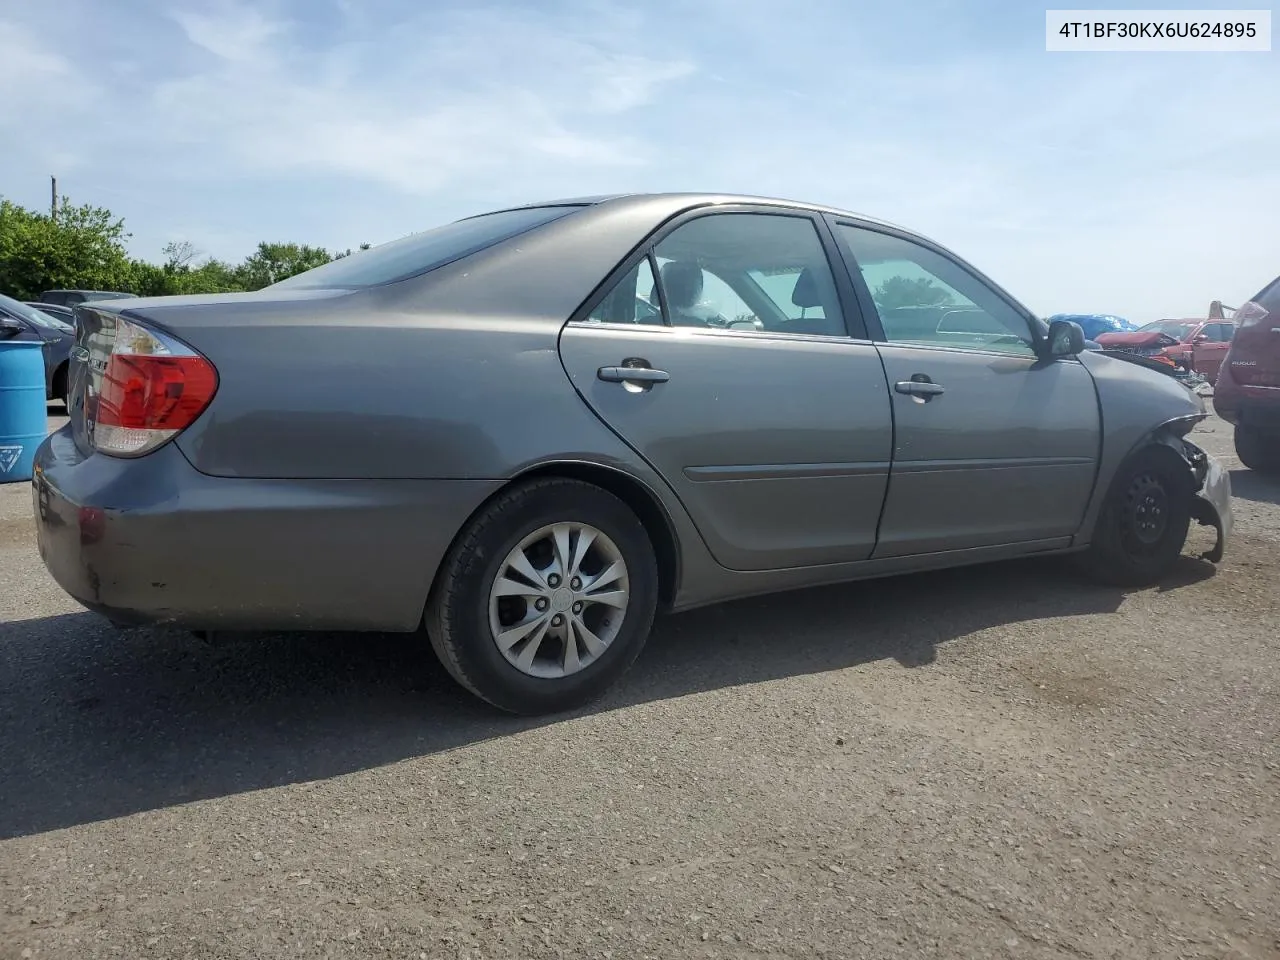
[633, 374]
[925, 389]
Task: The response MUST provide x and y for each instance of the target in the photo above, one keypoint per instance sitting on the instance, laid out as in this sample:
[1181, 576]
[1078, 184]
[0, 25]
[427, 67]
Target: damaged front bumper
[1211, 506]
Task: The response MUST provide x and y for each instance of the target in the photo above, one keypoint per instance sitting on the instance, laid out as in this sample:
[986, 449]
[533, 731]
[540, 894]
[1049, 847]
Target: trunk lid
[185, 317]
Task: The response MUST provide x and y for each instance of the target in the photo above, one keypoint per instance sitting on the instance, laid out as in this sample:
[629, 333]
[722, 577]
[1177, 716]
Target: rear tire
[546, 598]
[1257, 450]
[1144, 521]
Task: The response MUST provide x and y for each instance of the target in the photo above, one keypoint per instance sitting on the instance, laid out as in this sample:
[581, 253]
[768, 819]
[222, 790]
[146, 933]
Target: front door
[722, 357]
[992, 446]
[1209, 348]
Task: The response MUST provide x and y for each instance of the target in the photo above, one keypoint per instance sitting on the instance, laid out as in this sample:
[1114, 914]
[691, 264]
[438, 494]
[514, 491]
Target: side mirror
[1200, 338]
[9, 328]
[1066, 339]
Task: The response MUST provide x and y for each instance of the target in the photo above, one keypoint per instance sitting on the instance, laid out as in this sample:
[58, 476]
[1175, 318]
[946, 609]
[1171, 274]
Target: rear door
[992, 445]
[729, 357]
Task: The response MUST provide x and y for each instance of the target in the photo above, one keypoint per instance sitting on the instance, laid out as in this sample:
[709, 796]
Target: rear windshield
[420, 252]
[1269, 298]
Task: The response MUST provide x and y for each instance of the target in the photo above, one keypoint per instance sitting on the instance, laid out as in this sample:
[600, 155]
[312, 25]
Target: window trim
[872, 313]
[854, 320]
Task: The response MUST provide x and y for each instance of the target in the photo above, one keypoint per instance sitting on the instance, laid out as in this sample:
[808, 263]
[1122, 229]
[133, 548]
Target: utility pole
[53, 198]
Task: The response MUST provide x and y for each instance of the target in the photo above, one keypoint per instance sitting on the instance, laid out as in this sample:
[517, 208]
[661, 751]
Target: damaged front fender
[1211, 502]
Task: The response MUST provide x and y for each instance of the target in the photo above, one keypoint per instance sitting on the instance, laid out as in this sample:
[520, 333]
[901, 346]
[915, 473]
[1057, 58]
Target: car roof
[684, 200]
[114, 293]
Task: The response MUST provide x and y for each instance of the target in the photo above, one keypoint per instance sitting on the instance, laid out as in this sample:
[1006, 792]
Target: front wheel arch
[1107, 559]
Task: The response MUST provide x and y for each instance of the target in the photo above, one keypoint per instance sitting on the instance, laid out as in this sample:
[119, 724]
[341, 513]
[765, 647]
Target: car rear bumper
[1250, 405]
[152, 540]
[1260, 412]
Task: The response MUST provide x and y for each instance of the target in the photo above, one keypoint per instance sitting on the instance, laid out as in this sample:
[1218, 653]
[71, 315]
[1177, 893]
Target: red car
[1248, 391]
[1196, 344]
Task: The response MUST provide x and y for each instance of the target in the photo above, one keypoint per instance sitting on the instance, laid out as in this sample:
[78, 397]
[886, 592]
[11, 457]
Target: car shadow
[97, 723]
[1250, 485]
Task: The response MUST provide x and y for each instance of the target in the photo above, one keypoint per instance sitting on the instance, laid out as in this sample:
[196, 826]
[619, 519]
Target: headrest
[682, 282]
[806, 293]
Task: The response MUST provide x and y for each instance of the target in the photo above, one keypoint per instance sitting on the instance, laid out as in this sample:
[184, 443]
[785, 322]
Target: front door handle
[632, 374]
[924, 389]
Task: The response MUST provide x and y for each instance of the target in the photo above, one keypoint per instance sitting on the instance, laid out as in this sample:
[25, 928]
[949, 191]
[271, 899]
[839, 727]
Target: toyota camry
[527, 432]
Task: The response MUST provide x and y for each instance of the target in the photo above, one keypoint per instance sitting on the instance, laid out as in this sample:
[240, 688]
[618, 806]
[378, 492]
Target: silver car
[531, 430]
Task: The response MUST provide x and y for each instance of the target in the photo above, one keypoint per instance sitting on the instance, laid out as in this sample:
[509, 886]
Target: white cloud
[35, 78]
[236, 34]
[460, 100]
[1103, 182]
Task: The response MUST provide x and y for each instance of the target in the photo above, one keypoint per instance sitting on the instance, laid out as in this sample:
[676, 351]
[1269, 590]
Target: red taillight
[152, 389]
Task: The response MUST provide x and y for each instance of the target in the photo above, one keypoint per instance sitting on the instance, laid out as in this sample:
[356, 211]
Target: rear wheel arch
[637, 495]
[58, 383]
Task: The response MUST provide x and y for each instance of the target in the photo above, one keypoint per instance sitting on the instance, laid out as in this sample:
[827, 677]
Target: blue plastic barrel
[24, 416]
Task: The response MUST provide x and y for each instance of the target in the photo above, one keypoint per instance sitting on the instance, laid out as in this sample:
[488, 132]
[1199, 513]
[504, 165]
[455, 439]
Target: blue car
[21, 322]
[1094, 324]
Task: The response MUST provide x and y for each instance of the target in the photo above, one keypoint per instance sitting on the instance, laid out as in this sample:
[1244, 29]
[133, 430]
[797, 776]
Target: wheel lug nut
[554, 580]
[576, 583]
[541, 603]
[557, 620]
[577, 607]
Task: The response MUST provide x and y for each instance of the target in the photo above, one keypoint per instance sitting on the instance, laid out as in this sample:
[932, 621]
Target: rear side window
[420, 252]
[633, 299]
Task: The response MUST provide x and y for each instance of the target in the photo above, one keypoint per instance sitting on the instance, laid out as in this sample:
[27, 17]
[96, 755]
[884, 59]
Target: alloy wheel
[558, 600]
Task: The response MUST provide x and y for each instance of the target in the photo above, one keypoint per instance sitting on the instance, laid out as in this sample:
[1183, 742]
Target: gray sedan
[530, 430]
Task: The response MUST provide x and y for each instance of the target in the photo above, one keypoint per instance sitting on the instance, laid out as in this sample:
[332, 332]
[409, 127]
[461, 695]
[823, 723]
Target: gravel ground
[997, 762]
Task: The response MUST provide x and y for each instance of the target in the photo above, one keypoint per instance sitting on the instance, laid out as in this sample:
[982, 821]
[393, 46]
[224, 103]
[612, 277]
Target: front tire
[59, 386]
[1144, 522]
[1258, 451]
[546, 599]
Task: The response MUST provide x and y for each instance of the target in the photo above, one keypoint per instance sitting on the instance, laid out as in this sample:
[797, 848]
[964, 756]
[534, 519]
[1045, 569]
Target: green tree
[179, 253]
[82, 247]
[273, 262]
[910, 292]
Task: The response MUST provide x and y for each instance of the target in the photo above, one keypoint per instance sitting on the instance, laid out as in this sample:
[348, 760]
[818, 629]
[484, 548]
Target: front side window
[926, 298]
[760, 272]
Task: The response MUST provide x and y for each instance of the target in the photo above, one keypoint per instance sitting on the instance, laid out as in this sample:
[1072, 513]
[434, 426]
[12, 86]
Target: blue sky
[1139, 184]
